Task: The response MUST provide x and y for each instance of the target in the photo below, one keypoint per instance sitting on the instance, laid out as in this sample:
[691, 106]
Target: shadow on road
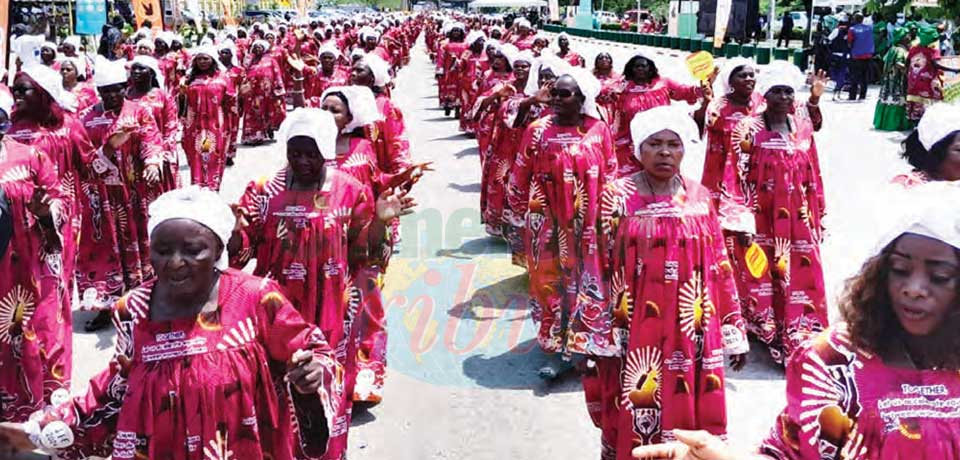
[467, 151]
[361, 415]
[451, 137]
[476, 247]
[465, 188]
[760, 366]
[517, 369]
[450, 118]
[506, 294]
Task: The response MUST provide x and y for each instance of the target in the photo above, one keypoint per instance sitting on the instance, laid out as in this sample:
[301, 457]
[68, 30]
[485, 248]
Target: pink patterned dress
[722, 118]
[845, 402]
[114, 249]
[263, 105]
[453, 72]
[237, 76]
[210, 100]
[573, 59]
[633, 99]
[86, 95]
[675, 315]
[315, 244]
[210, 386]
[163, 106]
[474, 66]
[610, 85]
[554, 202]
[777, 176]
[485, 125]
[35, 326]
[389, 137]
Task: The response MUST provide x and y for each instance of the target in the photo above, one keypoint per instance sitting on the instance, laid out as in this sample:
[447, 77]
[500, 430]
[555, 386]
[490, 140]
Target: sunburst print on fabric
[695, 308]
[15, 174]
[623, 307]
[16, 309]
[243, 333]
[832, 397]
[642, 375]
[217, 448]
[781, 258]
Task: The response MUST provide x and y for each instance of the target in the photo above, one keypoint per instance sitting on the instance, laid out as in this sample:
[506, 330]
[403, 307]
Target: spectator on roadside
[786, 29]
[860, 38]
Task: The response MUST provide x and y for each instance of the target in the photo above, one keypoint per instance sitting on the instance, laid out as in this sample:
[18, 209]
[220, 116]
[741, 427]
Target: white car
[606, 17]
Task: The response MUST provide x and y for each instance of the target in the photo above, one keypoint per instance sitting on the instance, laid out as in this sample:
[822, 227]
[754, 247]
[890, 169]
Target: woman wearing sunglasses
[883, 384]
[564, 162]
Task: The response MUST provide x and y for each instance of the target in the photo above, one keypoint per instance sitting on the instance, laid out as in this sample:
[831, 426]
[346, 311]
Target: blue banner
[91, 16]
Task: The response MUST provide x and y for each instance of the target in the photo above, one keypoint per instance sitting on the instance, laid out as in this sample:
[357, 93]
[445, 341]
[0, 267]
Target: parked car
[799, 21]
[606, 17]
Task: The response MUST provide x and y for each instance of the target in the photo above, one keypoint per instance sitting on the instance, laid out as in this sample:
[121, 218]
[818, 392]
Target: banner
[4, 27]
[700, 65]
[951, 78]
[148, 9]
[720, 22]
[91, 16]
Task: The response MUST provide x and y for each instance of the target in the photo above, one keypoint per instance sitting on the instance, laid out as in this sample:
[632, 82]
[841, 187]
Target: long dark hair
[53, 118]
[628, 68]
[923, 160]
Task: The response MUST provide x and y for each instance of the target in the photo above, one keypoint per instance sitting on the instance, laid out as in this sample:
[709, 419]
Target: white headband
[938, 121]
[316, 124]
[200, 205]
[153, 65]
[779, 73]
[666, 117]
[361, 103]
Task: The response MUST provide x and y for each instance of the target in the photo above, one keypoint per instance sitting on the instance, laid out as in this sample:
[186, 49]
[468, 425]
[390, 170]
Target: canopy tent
[507, 3]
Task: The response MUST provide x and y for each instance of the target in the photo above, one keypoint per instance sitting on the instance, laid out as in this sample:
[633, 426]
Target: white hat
[200, 205]
[79, 63]
[265, 44]
[546, 61]
[927, 209]
[109, 72]
[938, 121]
[51, 82]
[589, 86]
[152, 63]
[522, 22]
[722, 84]
[329, 47]
[73, 40]
[379, 68]
[779, 73]
[146, 42]
[316, 124]
[361, 103]
[475, 35]
[666, 117]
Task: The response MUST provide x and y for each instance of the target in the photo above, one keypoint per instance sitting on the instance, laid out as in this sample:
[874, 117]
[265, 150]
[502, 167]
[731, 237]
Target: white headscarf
[473, 36]
[556, 41]
[49, 45]
[265, 44]
[314, 123]
[667, 117]
[589, 86]
[79, 63]
[329, 47]
[779, 73]
[379, 68]
[153, 65]
[928, 210]
[722, 84]
[546, 61]
[148, 43]
[200, 205]
[361, 103]
[51, 82]
[522, 22]
[938, 121]
[228, 45]
[207, 50]
[368, 31]
[109, 72]
[73, 40]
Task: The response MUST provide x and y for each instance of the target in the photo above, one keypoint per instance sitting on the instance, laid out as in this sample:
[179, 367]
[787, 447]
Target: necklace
[917, 364]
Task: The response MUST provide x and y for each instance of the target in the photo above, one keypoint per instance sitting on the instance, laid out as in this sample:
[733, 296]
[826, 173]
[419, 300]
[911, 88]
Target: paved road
[462, 381]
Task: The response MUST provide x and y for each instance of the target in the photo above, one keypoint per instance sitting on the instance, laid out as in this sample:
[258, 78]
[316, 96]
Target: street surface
[462, 380]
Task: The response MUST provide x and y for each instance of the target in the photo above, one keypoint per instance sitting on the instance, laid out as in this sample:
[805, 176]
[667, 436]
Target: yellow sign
[700, 65]
[756, 260]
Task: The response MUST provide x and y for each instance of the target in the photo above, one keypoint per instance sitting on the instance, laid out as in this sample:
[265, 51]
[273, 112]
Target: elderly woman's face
[225, 55]
[922, 283]
[563, 43]
[521, 70]
[642, 70]
[361, 75]
[565, 97]
[144, 50]
[68, 49]
[304, 158]
[184, 253]
[69, 72]
[141, 74]
[603, 61]
[339, 110]
[661, 154]
[327, 61]
[204, 62]
[546, 77]
[257, 49]
[780, 99]
[47, 54]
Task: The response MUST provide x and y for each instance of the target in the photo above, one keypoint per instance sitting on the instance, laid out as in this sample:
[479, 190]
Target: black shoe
[446, 110]
[229, 161]
[100, 321]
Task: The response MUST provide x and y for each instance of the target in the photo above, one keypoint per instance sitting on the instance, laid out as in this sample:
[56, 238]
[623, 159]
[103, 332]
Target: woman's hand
[152, 174]
[13, 439]
[543, 94]
[737, 362]
[117, 139]
[690, 445]
[391, 205]
[306, 374]
[40, 203]
[817, 86]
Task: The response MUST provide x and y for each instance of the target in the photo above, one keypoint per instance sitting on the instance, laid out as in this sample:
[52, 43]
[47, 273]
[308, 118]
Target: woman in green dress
[891, 114]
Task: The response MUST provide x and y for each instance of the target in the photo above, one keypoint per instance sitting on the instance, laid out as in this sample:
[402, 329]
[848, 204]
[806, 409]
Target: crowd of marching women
[645, 279]
[642, 279]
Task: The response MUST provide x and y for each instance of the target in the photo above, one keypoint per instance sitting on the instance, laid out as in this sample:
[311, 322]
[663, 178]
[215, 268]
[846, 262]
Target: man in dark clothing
[786, 29]
[860, 38]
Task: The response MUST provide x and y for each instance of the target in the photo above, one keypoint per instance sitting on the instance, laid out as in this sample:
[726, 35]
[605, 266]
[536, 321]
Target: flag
[91, 16]
[148, 9]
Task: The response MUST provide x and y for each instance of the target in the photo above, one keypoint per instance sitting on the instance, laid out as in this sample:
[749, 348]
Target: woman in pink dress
[226, 55]
[210, 362]
[675, 311]
[147, 88]
[564, 52]
[777, 177]
[329, 73]
[474, 62]
[484, 107]
[564, 162]
[933, 149]
[34, 331]
[262, 95]
[451, 69]
[210, 98]
[643, 89]
[883, 383]
[610, 82]
[313, 228]
[113, 254]
[388, 134]
[74, 73]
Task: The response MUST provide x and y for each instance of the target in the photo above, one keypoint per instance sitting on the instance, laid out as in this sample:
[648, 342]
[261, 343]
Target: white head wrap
[329, 47]
[362, 105]
[544, 62]
[208, 50]
[79, 63]
[722, 84]
[368, 31]
[109, 72]
[357, 53]
[314, 123]
[938, 121]
[380, 69]
[228, 45]
[49, 45]
[928, 210]
[147, 43]
[475, 35]
[589, 86]
[51, 82]
[779, 73]
[672, 118]
[522, 22]
[152, 63]
[200, 205]
[265, 44]
[73, 40]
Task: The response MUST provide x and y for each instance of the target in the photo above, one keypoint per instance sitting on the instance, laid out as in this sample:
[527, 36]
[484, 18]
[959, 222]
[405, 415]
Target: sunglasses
[561, 93]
